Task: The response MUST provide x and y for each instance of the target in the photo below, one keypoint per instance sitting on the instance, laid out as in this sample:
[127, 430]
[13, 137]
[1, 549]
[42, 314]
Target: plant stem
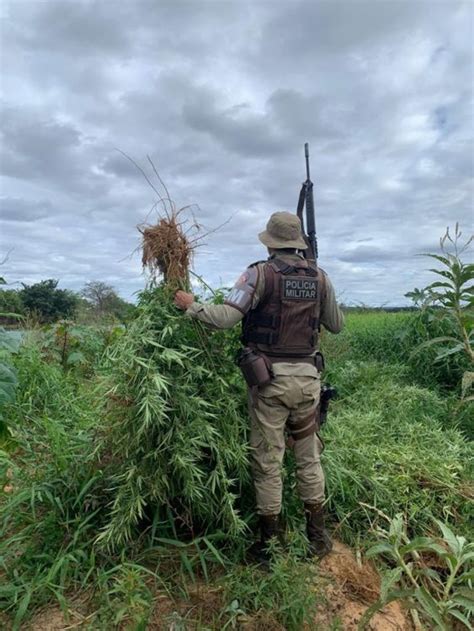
[465, 338]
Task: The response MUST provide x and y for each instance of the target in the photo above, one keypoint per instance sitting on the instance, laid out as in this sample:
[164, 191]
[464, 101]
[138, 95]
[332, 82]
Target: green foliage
[389, 338]
[11, 306]
[125, 597]
[173, 427]
[48, 302]
[9, 346]
[442, 589]
[102, 300]
[454, 294]
[386, 447]
[77, 347]
[132, 464]
[285, 594]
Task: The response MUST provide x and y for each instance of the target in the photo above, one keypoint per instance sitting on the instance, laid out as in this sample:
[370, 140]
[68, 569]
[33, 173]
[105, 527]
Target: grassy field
[127, 500]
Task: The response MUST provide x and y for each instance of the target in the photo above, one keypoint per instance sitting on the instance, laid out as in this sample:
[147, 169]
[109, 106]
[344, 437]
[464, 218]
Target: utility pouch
[319, 361]
[255, 368]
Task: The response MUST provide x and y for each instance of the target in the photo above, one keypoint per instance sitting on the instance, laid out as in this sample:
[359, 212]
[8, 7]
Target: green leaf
[22, 608]
[435, 340]
[74, 358]
[380, 548]
[171, 542]
[189, 568]
[467, 272]
[422, 543]
[396, 527]
[450, 538]
[467, 381]
[441, 259]
[430, 607]
[9, 314]
[467, 556]
[451, 351]
[439, 283]
[389, 579]
[467, 603]
[214, 551]
[9, 341]
[457, 614]
[8, 383]
[444, 273]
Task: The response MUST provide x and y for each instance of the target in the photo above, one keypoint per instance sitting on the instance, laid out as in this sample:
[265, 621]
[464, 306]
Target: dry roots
[167, 250]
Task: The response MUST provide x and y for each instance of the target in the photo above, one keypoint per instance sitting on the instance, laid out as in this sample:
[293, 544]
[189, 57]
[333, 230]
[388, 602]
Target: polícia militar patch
[299, 288]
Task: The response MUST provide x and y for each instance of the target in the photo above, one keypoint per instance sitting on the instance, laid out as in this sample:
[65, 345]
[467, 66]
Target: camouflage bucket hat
[283, 231]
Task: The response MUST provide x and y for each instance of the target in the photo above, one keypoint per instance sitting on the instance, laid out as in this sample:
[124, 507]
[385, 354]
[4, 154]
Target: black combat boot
[319, 541]
[269, 527]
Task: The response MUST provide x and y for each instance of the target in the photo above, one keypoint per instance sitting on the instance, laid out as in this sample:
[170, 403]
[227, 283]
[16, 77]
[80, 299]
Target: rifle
[306, 199]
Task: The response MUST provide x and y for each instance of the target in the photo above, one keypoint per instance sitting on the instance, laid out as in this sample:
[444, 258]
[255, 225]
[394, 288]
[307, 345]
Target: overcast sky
[222, 95]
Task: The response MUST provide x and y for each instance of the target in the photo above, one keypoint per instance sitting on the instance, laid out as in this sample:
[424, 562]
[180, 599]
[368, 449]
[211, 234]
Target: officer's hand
[183, 300]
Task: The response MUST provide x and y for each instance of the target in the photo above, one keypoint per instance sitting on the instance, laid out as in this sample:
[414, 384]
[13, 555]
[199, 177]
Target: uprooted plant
[173, 431]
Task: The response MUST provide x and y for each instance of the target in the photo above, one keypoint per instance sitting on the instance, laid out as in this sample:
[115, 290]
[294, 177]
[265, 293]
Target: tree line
[45, 303]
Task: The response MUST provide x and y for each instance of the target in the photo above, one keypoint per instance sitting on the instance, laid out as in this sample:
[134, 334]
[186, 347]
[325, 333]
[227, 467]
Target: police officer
[282, 301]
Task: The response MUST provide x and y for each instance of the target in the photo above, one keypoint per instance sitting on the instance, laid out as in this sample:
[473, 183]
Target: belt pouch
[255, 368]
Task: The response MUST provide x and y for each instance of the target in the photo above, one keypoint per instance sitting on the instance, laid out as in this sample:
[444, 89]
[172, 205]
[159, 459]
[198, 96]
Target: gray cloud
[17, 209]
[222, 96]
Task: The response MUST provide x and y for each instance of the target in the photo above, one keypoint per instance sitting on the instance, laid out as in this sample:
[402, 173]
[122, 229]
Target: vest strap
[284, 268]
[265, 320]
[280, 359]
[262, 338]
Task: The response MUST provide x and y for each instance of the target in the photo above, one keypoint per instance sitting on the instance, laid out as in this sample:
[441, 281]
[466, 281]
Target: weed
[286, 592]
[144, 444]
[440, 588]
[174, 429]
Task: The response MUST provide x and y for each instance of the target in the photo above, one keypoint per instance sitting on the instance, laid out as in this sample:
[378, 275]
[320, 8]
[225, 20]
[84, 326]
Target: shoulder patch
[242, 293]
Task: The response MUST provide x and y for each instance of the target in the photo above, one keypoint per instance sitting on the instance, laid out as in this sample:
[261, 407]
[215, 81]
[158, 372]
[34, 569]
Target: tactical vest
[285, 323]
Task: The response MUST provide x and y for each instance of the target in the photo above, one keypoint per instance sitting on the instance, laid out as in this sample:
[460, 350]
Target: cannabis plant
[172, 443]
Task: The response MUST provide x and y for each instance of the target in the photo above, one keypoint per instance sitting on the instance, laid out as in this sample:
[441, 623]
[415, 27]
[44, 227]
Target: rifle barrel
[306, 155]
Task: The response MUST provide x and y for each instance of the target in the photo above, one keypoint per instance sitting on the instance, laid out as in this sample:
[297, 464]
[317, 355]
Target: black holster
[328, 392]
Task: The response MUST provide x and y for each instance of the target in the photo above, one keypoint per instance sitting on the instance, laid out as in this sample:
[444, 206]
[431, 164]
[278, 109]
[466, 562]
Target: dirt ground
[352, 588]
[349, 588]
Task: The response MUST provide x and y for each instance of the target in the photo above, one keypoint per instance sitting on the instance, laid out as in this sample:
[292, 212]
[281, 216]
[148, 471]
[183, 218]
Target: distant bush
[47, 302]
[11, 306]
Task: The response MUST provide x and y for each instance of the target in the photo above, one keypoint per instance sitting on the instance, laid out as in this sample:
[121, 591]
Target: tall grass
[390, 338]
[387, 449]
[139, 464]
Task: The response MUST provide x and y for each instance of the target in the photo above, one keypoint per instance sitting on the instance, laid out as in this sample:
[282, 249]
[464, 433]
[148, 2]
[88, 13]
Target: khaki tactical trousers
[291, 397]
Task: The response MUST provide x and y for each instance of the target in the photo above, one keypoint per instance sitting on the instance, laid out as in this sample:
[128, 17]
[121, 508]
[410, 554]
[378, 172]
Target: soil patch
[348, 586]
[352, 587]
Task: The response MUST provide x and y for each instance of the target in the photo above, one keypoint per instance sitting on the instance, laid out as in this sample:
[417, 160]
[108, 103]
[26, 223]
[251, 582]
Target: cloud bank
[222, 96]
